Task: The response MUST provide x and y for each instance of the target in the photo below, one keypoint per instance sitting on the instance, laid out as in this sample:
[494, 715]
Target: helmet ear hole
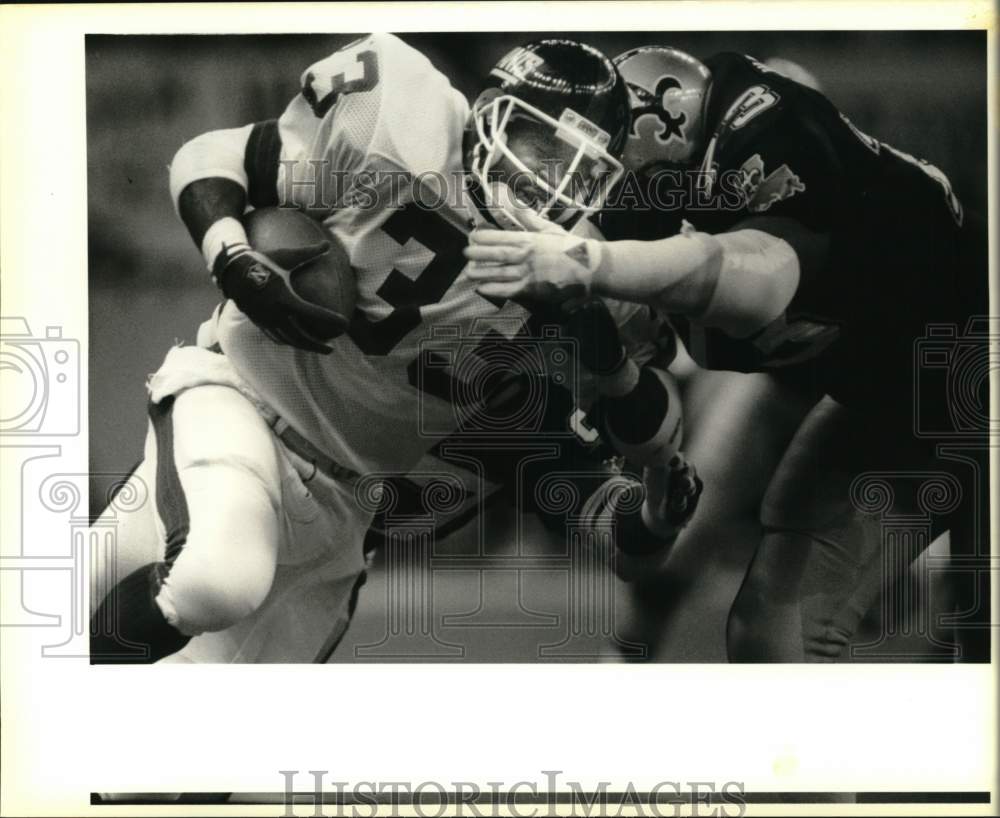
[485, 98]
[480, 118]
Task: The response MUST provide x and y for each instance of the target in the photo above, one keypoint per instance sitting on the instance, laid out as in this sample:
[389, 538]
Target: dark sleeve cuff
[261, 162]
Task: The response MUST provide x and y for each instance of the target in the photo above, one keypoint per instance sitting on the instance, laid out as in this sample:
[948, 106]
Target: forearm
[204, 202]
[738, 281]
[208, 183]
[677, 274]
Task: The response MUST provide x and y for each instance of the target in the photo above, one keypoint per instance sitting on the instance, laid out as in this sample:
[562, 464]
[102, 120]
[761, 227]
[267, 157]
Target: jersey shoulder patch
[760, 189]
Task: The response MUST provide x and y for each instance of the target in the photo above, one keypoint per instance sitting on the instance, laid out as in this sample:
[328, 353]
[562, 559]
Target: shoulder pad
[742, 89]
[744, 100]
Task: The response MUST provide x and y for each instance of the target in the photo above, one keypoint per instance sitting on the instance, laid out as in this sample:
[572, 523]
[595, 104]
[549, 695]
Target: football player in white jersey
[264, 436]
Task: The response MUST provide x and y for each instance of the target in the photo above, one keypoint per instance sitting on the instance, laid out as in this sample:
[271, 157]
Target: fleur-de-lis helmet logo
[656, 106]
[667, 90]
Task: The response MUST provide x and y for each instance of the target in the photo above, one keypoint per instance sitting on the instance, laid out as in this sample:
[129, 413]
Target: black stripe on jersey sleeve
[263, 153]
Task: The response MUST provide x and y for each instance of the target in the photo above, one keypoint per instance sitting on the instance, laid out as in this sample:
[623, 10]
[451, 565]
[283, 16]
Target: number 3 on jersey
[407, 295]
[347, 71]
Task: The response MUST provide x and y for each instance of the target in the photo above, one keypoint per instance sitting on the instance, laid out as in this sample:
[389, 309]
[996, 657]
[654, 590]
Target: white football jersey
[377, 124]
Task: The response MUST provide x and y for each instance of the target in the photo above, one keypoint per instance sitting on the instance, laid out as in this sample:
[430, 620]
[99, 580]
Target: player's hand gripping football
[261, 287]
[543, 262]
[672, 494]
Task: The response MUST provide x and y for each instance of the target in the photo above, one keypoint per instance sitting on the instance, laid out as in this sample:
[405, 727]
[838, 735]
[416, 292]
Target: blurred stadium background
[923, 92]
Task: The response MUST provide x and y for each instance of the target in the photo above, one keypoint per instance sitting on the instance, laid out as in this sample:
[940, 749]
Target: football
[328, 280]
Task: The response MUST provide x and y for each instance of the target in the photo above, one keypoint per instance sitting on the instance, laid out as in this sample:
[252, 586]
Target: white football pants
[262, 553]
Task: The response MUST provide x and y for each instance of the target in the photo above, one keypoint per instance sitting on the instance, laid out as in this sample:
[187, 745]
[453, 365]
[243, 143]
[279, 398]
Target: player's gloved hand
[261, 286]
[543, 262]
[672, 494]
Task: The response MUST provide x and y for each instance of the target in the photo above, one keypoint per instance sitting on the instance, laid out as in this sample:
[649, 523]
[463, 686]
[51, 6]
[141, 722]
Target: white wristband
[226, 232]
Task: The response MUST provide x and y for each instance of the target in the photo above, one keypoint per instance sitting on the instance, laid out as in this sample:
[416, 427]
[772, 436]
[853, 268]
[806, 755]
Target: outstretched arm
[739, 281]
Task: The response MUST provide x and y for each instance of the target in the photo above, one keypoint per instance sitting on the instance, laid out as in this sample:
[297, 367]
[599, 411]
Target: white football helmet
[667, 93]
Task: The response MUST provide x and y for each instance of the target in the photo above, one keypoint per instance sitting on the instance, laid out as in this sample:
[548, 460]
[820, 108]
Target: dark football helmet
[549, 129]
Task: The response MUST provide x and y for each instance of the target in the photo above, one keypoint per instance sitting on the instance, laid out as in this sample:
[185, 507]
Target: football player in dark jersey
[799, 246]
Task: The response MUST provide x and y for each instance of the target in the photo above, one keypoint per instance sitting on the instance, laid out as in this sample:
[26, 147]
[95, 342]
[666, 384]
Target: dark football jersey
[875, 229]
